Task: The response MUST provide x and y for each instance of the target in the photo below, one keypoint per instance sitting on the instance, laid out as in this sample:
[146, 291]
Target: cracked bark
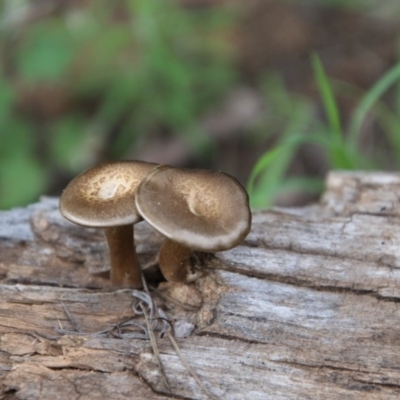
[306, 308]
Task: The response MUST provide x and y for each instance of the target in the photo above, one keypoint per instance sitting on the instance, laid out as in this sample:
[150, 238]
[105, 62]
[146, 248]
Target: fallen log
[305, 308]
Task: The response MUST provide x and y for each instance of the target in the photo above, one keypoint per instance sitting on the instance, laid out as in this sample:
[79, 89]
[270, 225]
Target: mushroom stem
[173, 260]
[125, 269]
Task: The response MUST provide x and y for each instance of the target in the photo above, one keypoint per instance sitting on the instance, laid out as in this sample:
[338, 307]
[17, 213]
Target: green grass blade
[263, 163]
[330, 106]
[267, 175]
[369, 100]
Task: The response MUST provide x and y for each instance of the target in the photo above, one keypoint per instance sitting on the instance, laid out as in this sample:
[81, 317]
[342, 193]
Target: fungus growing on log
[197, 210]
[104, 197]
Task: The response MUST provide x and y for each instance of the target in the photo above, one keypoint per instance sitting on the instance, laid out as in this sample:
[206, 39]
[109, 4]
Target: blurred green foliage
[86, 81]
[342, 146]
[109, 72]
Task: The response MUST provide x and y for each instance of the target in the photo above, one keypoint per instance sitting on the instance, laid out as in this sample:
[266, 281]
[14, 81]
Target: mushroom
[104, 197]
[197, 210]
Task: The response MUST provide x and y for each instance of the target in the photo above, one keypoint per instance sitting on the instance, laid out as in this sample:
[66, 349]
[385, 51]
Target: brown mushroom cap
[103, 196]
[203, 210]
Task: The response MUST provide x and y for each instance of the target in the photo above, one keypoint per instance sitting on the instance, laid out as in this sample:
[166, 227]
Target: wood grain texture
[306, 308]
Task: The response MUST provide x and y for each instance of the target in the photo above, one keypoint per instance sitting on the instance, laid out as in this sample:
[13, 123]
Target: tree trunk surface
[306, 308]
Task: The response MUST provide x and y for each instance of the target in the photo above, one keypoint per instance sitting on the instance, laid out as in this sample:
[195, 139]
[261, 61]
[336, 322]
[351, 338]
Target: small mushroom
[195, 210]
[104, 197]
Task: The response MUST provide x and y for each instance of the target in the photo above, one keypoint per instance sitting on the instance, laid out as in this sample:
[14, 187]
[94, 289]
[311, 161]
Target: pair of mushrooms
[196, 210]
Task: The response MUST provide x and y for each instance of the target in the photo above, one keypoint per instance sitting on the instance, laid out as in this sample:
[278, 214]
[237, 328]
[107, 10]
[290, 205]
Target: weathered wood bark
[306, 308]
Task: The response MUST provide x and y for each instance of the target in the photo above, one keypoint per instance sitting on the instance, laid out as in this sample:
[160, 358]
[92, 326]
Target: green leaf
[22, 180]
[6, 101]
[66, 143]
[17, 137]
[46, 53]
